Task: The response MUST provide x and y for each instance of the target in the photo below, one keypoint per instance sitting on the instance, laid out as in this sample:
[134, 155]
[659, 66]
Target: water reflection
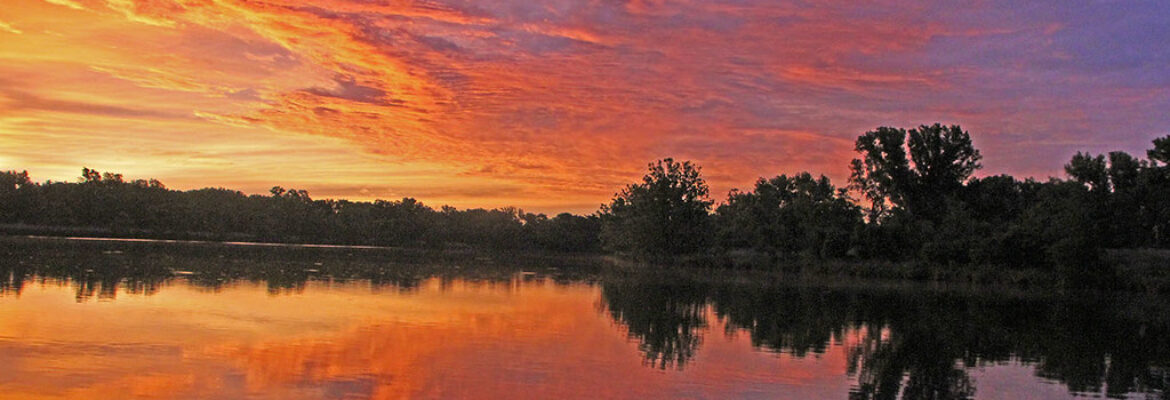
[200, 322]
[667, 319]
[912, 343]
[102, 269]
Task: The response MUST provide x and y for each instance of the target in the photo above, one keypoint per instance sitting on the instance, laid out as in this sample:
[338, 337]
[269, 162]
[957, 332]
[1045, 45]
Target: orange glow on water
[445, 340]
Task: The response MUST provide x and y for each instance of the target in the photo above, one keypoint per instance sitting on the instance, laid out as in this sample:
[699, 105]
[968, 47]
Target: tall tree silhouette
[663, 216]
[913, 171]
[1088, 170]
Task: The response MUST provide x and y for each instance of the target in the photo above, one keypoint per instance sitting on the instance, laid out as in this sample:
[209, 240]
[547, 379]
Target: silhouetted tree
[566, 232]
[913, 181]
[13, 200]
[941, 158]
[90, 176]
[1089, 171]
[1161, 151]
[11, 181]
[883, 173]
[1123, 171]
[665, 215]
[789, 215]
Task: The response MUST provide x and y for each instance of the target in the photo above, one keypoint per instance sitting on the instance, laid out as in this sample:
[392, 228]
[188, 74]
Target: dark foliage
[940, 161]
[906, 342]
[789, 216]
[922, 206]
[107, 205]
[662, 217]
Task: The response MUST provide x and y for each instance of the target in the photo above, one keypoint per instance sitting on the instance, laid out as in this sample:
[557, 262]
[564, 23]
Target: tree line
[911, 197]
[107, 204]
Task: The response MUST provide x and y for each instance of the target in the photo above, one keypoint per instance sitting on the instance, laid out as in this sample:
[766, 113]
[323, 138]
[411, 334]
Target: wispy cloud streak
[569, 99]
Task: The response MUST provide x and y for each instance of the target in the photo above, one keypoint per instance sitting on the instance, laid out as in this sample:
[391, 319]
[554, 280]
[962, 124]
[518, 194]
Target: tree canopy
[664, 215]
[912, 170]
[790, 215]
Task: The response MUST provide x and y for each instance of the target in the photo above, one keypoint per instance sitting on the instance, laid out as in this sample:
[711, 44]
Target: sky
[554, 105]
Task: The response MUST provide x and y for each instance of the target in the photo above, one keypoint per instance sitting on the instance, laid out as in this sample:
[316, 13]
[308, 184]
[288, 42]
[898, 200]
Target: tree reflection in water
[665, 318]
[902, 342]
[913, 343]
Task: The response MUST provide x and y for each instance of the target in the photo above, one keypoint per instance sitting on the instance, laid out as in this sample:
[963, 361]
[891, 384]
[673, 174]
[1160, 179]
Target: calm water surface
[118, 320]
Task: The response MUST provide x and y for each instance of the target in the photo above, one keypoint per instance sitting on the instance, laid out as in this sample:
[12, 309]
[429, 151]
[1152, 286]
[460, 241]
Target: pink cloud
[572, 99]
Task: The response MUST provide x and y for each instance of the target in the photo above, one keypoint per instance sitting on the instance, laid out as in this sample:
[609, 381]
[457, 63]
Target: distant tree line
[146, 208]
[916, 201]
[911, 197]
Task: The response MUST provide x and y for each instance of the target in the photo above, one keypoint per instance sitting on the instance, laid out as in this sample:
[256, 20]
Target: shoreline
[1138, 270]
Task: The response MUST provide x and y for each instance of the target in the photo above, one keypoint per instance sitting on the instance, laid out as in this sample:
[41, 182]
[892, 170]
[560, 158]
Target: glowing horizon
[553, 106]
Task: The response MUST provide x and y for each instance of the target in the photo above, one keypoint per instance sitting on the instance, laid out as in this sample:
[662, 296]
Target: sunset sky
[553, 105]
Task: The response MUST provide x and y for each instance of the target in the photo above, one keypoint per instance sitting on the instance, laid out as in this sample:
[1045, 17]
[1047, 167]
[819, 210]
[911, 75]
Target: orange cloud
[553, 105]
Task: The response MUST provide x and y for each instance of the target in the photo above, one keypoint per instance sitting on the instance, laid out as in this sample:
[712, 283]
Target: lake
[115, 320]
